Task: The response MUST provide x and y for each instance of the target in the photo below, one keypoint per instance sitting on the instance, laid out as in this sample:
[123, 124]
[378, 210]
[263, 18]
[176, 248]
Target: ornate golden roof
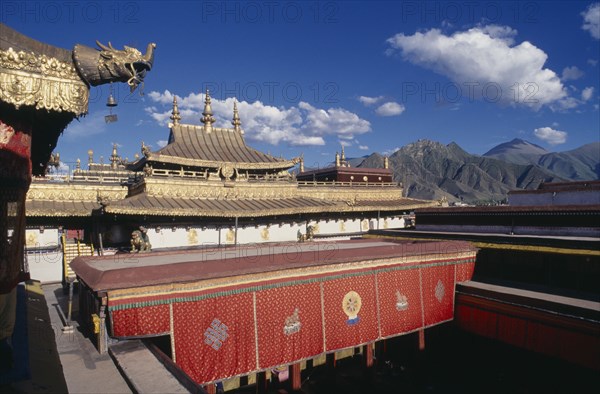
[193, 145]
[60, 208]
[209, 146]
[143, 204]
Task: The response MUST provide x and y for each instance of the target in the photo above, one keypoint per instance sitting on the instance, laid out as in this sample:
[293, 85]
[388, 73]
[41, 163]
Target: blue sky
[310, 76]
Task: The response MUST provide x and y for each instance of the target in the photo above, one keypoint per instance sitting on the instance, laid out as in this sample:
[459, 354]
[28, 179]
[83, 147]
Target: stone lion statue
[310, 232]
[140, 242]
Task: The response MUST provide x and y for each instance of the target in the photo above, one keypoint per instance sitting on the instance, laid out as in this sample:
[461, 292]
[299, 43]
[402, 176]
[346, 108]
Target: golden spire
[175, 116]
[78, 165]
[90, 156]
[343, 158]
[386, 162]
[207, 119]
[114, 157]
[236, 119]
[337, 159]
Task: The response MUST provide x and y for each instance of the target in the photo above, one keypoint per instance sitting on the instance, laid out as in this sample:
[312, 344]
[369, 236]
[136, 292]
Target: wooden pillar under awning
[211, 388]
[261, 382]
[295, 377]
[330, 361]
[368, 355]
[421, 339]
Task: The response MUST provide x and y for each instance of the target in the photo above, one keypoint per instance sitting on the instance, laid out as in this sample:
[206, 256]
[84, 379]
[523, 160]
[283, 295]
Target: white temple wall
[183, 237]
[286, 232]
[45, 266]
[35, 238]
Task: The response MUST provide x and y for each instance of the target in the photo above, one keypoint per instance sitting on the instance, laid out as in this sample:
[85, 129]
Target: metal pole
[101, 250]
[68, 326]
[235, 234]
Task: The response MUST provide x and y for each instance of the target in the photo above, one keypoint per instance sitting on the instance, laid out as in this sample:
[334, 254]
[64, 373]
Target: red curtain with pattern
[214, 337]
[350, 311]
[149, 320]
[289, 324]
[438, 293]
[400, 302]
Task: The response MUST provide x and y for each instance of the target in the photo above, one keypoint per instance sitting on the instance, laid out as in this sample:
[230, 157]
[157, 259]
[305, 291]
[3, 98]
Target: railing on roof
[347, 184]
[179, 173]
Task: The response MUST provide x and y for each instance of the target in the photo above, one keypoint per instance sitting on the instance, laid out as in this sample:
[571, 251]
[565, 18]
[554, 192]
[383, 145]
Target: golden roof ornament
[145, 150]
[302, 163]
[114, 157]
[90, 156]
[207, 117]
[175, 116]
[337, 159]
[343, 158]
[386, 162]
[236, 122]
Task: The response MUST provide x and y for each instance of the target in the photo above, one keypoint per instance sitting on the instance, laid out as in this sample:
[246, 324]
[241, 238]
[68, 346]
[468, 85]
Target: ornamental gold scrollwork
[41, 81]
[227, 171]
[37, 64]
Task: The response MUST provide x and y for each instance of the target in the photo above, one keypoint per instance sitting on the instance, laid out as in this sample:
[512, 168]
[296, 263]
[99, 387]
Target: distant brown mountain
[517, 151]
[431, 170]
[578, 164]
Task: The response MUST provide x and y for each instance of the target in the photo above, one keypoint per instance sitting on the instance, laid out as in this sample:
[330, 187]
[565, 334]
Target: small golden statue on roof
[140, 242]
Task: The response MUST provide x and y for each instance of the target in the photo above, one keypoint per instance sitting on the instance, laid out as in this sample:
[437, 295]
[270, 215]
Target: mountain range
[431, 170]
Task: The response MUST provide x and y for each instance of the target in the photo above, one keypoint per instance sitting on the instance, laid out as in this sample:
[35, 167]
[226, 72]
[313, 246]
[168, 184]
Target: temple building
[207, 187]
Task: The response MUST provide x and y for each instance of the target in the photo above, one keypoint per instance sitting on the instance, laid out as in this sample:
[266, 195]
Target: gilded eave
[28, 78]
[49, 199]
[167, 159]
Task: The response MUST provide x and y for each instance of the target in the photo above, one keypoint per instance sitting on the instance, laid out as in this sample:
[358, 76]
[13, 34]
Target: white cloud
[161, 143]
[302, 125]
[592, 62]
[368, 101]
[503, 33]
[483, 58]
[86, 126]
[363, 147]
[389, 152]
[571, 73]
[591, 20]
[390, 109]
[587, 93]
[551, 136]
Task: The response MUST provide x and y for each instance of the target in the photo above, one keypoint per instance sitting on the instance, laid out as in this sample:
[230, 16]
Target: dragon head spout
[107, 64]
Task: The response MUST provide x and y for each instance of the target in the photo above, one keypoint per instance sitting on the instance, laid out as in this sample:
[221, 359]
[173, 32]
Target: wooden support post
[330, 361]
[422, 339]
[368, 355]
[261, 382]
[296, 380]
[379, 351]
[211, 388]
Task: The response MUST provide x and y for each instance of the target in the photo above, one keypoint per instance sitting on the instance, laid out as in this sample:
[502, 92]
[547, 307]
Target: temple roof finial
[343, 158]
[175, 116]
[208, 118]
[236, 122]
[114, 157]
